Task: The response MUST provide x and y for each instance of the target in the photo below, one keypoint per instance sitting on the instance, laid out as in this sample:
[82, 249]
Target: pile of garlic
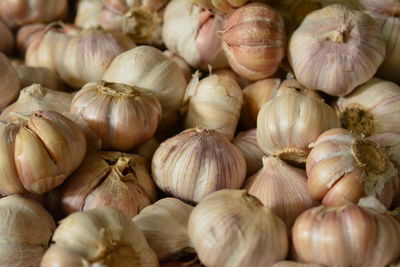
[188, 133]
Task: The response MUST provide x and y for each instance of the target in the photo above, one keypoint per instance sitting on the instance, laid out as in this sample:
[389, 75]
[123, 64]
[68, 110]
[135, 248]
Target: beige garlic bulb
[25, 231]
[88, 13]
[37, 97]
[149, 69]
[342, 167]
[232, 228]
[39, 151]
[281, 188]
[348, 235]
[215, 103]
[99, 237]
[295, 264]
[27, 34]
[192, 33]
[336, 49]
[29, 75]
[185, 68]
[89, 53]
[7, 42]
[247, 143]
[254, 41]
[220, 5]
[111, 179]
[287, 124]
[147, 149]
[10, 84]
[20, 12]
[164, 225]
[372, 108]
[120, 114]
[197, 162]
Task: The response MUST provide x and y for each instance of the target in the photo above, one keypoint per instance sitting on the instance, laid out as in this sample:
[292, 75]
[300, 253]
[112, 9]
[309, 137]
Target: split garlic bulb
[281, 188]
[111, 179]
[27, 34]
[40, 150]
[99, 237]
[7, 42]
[164, 225]
[254, 41]
[372, 108]
[232, 228]
[10, 84]
[25, 231]
[20, 12]
[192, 33]
[88, 13]
[85, 60]
[348, 235]
[336, 49]
[342, 167]
[149, 69]
[30, 75]
[197, 162]
[120, 114]
[220, 5]
[247, 143]
[287, 124]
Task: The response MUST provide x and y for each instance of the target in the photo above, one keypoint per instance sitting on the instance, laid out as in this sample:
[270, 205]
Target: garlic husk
[88, 13]
[232, 228]
[25, 231]
[39, 151]
[37, 97]
[164, 225]
[192, 33]
[372, 108]
[321, 235]
[336, 49]
[7, 42]
[287, 124]
[342, 167]
[10, 84]
[220, 5]
[254, 41]
[147, 149]
[121, 115]
[281, 188]
[150, 70]
[113, 179]
[20, 12]
[30, 75]
[185, 68]
[99, 237]
[295, 264]
[27, 34]
[197, 162]
[215, 104]
[247, 143]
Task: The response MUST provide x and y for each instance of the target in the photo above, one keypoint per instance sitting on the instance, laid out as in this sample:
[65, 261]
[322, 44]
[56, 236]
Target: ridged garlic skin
[336, 49]
[100, 237]
[197, 162]
[233, 229]
[247, 143]
[9, 86]
[346, 236]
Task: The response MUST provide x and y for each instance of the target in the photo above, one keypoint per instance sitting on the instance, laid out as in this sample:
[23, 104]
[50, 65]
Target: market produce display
[200, 133]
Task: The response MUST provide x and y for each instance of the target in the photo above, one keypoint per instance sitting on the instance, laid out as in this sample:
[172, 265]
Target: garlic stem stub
[197, 162]
[10, 83]
[247, 143]
[232, 228]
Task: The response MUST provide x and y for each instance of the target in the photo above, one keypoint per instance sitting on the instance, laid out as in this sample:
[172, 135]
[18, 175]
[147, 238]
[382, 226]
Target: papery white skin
[88, 13]
[247, 143]
[9, 86]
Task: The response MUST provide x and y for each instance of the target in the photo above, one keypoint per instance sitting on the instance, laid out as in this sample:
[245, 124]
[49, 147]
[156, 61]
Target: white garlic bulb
[10, 84]
[247, 143]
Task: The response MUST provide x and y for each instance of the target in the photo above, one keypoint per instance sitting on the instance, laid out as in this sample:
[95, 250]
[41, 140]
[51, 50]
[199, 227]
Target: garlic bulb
[149, 69]
[121, 115]
[232, 228]
[197, 162]
[336, 49]
[388, 7]
[220, 5]
[371, 108]
[85, 60]
[37, 97]
[287, 124]
[9, 86]
[7, 42]
[164, 225]
[20, 12]
[192, 33]
[147, 149]
[27, 34]
[185, 68]
[346, 236]
[100, 237]
[215, 104]
[43, 76]
[88, 13]
[254, 41]
[342, 167]
[25, 231]
[40, 150]
[247, 143]
[281, 188]
[109, 179]
[295, 264]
